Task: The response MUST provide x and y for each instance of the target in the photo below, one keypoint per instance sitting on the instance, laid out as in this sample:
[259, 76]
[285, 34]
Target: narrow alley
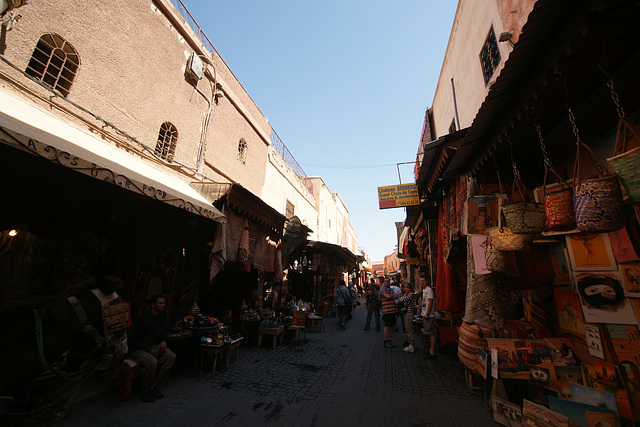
[338, 377]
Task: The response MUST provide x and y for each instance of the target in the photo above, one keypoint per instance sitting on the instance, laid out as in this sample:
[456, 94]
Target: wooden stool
[122, 378]
[474, 382]
[274, 332]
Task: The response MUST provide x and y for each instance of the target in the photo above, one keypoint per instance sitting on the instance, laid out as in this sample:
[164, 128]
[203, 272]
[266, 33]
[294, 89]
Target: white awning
[45, 135]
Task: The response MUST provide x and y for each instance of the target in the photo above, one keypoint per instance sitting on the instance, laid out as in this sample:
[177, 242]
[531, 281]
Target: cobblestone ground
[338, 377]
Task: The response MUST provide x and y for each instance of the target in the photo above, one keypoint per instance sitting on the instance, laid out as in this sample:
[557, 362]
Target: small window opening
[242, 151]
[167, 140]
[54, 62]
[490, 56]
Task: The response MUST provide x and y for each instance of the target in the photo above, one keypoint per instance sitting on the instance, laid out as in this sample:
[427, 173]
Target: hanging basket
[626, 163]
[497, 261]
[558, 205]
[597, 202]
[524, 217]
[503, 239]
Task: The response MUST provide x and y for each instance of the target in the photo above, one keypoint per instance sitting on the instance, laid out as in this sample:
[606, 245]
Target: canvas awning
[30, 129]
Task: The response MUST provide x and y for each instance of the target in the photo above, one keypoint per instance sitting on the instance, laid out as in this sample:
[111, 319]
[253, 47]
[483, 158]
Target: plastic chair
[299, 324]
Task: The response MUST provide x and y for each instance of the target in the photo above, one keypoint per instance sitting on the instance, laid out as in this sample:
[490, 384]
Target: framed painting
[590, 252]
[602, 298]
[630, 272]
[568, 308]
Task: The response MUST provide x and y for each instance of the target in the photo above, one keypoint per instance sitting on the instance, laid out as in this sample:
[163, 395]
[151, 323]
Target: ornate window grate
[54, 62]
[167, 140]
[242, 151]
[489, 56]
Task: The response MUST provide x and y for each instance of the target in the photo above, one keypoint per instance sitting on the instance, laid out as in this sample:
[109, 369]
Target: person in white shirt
[428, 312]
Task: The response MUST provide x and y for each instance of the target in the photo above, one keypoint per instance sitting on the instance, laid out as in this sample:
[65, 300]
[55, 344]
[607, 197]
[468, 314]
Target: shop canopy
[40, 133]
[244, 202]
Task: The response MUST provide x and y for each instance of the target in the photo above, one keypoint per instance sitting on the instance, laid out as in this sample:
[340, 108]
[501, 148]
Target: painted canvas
[579, 413]
[482, 212]
[516, 357]
[569, 312]
[594, 397]
[560, 264]
[622, 247]
[602, 298]
[540, 394]
[626, 344]
[537, 415]
[563, 351]
[630, 273]
[590, 252]
[506, 413]
[569, 374]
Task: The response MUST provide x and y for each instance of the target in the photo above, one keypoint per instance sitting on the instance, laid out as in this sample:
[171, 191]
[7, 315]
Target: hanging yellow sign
[397, 196]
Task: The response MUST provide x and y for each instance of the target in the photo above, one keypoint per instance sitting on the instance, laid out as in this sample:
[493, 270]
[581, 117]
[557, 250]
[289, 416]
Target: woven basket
[503, 239]
[525, 217]
[597, 202]
[497, 261]
[626, 162]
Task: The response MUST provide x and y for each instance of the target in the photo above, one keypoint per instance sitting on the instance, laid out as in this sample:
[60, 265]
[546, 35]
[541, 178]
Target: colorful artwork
[482, 212]
[506, 413]
[516, 357]
[534, 414]
[482, 365]
[594, 341]
[621, 245]
[602, 298]
[540, 394]
[568, 308]
[563, 389]
[580, 414]
[560, 265]
[606, 374]
[626, 344]
[590, 252]
[630, 273]
[594, 397]
[563, 352]
[569, 374]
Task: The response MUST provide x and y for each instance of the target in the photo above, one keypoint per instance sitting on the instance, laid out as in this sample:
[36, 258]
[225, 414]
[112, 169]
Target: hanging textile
[234, 231]
[260, 252]
[277, 274]
[218, 251]
[243, 248]
[448, 296]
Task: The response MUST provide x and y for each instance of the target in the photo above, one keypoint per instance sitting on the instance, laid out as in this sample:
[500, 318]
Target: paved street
[340, 377]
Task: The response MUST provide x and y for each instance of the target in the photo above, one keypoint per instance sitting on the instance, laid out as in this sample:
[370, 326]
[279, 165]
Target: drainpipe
[455, 104]
[211, 101]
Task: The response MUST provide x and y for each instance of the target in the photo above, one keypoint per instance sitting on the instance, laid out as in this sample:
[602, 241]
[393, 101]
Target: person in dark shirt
[148, 343]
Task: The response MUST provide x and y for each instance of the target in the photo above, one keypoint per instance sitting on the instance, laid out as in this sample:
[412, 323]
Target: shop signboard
[397, 196]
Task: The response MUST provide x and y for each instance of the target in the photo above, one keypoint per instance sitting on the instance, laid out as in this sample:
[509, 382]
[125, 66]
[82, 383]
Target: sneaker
[157, 393]
[147, 397]
[389, 344]
[409, 349]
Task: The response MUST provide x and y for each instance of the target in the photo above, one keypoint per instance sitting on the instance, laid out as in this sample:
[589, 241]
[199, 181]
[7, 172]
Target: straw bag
[597, 202]
[496, 260]
[558, 204]
[524, 217]
[625, 163]
[503, 239]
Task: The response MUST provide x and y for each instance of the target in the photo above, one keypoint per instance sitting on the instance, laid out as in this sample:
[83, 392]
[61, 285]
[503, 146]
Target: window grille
[489, 56]
[167, 140]
[54, 62]
[290, 210]
[242, 151]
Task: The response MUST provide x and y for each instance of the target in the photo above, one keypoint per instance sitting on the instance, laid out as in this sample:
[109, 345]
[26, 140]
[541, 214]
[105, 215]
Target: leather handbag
[558, 204]
[626, 162]
[524, 217]
[597, 202]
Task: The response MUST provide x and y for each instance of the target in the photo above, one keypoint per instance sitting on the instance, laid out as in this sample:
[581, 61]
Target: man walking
[428, 311]
[373, 305]
[389, 312]
[342, 301]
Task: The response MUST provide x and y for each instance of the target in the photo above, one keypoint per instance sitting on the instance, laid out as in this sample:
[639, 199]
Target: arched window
[167, 140]
[54, 62]
[242, 151]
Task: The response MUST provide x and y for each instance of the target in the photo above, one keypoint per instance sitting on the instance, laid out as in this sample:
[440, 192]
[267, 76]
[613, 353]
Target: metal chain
[547, 161]
[516, 172]
[573, 125]
[616, 100]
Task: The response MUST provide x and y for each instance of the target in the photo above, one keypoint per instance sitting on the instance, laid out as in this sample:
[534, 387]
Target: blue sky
[345, 84]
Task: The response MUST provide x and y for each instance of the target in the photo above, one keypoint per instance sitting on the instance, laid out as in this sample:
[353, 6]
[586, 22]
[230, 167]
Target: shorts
[389, 319]
[428, 325]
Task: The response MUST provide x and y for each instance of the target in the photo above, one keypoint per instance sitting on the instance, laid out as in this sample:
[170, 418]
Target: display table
[213, 350]
[233, 345]
[274, 332]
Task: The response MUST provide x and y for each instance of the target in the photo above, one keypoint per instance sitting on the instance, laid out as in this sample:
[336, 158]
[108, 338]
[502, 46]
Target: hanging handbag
[625, 160]
[597, 202]
[524, 217]
[625, 163]
[497, 261]
[558, 204]
[503, 239]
